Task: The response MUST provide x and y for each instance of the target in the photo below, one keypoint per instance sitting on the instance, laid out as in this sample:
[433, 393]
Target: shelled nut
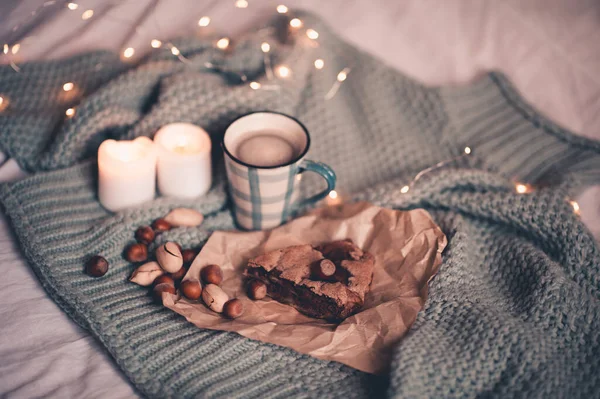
[136, 253]
[164, 279]
[158, 290]
[178, 275]
[145, 235]
[233, 308]
[323, 269]
[257, 289]
[97, 266]
[161, 225]
[191, 289]
[188, 255]
[211, 274]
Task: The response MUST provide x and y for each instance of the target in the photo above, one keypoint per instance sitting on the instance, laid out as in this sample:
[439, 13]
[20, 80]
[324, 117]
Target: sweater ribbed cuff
[523, 145]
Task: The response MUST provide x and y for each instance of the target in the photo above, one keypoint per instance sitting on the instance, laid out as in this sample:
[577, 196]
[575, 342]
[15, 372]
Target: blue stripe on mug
[288, 194]
[255, 198]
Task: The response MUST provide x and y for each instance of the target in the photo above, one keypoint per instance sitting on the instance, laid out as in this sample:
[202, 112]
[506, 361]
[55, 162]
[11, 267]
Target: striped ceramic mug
[265, 196]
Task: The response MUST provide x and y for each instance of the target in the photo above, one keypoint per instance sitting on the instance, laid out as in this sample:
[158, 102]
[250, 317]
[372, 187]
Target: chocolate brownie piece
[288, 274]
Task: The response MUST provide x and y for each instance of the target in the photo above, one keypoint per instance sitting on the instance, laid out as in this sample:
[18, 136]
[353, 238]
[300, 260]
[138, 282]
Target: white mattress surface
[548, 48]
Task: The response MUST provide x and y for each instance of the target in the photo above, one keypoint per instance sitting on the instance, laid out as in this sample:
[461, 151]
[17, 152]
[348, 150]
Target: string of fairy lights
[272, 73]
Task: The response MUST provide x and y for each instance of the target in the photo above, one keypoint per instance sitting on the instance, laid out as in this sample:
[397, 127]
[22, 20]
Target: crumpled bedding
[47, 354]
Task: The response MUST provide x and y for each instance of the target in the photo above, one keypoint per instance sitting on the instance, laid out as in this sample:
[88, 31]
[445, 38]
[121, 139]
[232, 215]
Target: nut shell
[184, 217]
[145, 235]
[136, 253]
[214, 297]
[169, 257]
[233, 308]
[146, 274]
[257, 289]
[211, 274]
[97, 266]
[191, 289]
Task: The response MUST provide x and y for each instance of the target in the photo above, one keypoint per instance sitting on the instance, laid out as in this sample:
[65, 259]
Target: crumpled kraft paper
[407, 246]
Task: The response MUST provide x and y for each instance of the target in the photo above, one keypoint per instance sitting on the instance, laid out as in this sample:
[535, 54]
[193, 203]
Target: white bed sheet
[547, 47]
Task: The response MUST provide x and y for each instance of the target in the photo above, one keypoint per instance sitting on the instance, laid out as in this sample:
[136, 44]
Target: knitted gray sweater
[513, 311]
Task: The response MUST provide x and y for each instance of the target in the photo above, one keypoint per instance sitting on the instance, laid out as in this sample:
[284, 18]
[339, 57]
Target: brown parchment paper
[407, 246]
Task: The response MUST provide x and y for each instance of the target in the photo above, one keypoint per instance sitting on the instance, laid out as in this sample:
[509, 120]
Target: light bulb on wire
[204, 21]
[265, 47]
[70, 112]
[87, 14]
[68, 86]
[155, 43]
[241, 4]
[223, 43]
[282, 9]
[283, 71]
[128, 52]
[72, 6]
[296, 23]
[522, 188]
[312, 34]
[575, 206]
[319, 63]
[254, 85]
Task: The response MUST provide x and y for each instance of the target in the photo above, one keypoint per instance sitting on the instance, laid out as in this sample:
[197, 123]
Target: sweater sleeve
[508, 136]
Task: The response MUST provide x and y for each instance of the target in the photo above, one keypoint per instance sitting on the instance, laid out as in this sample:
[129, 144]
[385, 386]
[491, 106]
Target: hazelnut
[233, 308]
[136, 253]
[158, 290]
[323, 269]
[212, 274]
[145, 235]
[188, 256]
[97, 266]
[178, 275]
[191, 289]
[169, 257]
[257, 289]
[160, 225]
[164, 279]
[146, 274]
[214, 297]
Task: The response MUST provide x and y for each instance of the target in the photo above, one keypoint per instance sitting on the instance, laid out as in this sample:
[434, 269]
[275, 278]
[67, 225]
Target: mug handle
[325, 171]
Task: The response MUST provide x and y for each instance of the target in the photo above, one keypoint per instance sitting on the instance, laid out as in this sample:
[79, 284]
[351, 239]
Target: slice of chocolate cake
[289, 274]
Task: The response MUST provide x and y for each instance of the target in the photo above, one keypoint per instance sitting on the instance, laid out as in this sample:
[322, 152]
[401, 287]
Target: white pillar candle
[126, 173]
[184, 161]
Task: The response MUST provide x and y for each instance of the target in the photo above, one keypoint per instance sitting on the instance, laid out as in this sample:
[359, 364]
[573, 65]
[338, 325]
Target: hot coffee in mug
[264, 151]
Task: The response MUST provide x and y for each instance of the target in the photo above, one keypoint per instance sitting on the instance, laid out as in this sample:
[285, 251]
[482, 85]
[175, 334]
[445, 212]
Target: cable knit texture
[512, 313]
